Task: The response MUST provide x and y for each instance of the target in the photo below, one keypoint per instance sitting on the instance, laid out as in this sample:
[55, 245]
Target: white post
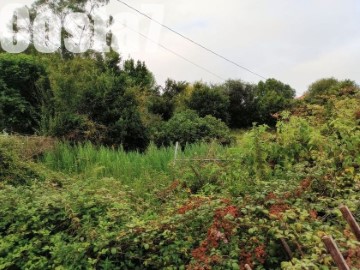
[176, 152]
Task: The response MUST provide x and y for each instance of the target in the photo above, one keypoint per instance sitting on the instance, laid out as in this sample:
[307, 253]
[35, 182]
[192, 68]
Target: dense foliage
[110, 101]
[272, 96]
[25, 96]
[242, 108]
[212, 101]
[320, 90]
[165, 103]
[77, 210]
[107, 187]
[188, 127]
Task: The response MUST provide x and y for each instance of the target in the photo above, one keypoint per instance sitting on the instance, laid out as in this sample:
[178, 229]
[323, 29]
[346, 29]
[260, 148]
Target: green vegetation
[272, 97]
[108, 101]
[25, 96]
[188, 127]
[91, 207]
[242, 107]
[212, 101]
[320, 90]
[143, 172]
[98, 184]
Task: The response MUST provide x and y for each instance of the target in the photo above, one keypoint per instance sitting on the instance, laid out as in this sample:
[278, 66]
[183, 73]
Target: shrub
[188, 127]
[283, 185]
[13, 169]
[320, 91]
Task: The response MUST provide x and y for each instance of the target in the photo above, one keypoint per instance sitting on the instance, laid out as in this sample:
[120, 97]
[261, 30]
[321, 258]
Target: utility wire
[175, 53]
[191, 40]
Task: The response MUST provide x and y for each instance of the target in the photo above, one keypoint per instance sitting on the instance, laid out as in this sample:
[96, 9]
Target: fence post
[335, 253]
[348, 216]
[176, 152]
[247, 267]
[286, 248]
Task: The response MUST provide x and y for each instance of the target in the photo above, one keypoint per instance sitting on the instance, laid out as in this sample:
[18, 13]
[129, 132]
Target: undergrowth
[215, 208]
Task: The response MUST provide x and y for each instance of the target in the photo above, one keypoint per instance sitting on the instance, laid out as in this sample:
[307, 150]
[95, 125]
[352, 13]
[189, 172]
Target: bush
[188, 127]
[13, 169]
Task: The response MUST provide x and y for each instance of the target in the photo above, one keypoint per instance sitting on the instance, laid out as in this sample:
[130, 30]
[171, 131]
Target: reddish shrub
[313, 214]
[220, 231]
[192, 204]
[278, 209]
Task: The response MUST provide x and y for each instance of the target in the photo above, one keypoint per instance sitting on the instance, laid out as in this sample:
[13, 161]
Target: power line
[175, 53]
[191, 40]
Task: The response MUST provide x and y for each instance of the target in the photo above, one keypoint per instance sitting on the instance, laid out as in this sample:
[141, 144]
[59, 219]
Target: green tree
[164, 104]
[272, 96]
[138, 75]
[242, 108]
[174, 88]
[26, 99]
[94, 102]
[210, 100]
[62, 9]
[117, 110]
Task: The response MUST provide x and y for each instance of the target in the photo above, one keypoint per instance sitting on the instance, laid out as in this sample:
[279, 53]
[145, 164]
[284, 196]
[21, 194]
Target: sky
[296, 42]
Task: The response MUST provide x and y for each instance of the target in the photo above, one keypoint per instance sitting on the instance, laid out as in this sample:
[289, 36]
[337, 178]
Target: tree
[320, 90]
[242, 108]
[26, 98]
[173, 88]
[162, 106]
[272, 96]
[164, 103]
[117, 110]
[210, 100]
[94, 102]
[139, 75]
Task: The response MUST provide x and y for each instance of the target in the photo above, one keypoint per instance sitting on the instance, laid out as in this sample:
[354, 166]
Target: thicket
[100, 195]
[277, 183]
[109, 101]
[95, 98]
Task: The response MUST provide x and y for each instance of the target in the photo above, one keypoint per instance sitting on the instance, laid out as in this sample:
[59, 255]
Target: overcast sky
[294, 41]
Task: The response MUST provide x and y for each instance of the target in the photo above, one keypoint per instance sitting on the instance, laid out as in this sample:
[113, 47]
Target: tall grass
[140, 171]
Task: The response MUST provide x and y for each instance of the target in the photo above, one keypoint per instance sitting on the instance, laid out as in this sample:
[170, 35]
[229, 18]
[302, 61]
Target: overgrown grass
[142, 172]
